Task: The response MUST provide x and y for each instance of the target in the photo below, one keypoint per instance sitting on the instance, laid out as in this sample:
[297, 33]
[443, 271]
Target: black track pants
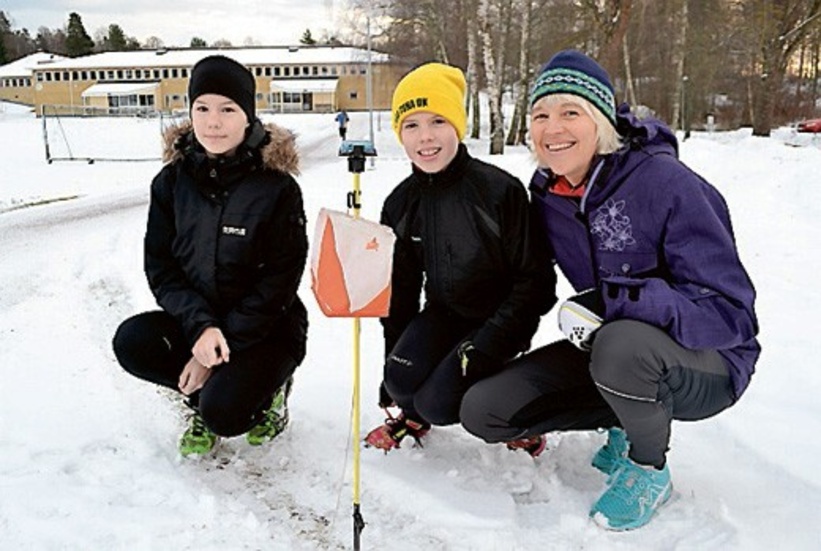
[423, 374]
[637, 377]
[151, 346]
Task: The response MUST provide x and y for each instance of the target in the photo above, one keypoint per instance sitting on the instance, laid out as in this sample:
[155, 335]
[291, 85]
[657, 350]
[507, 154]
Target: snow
[89, 453]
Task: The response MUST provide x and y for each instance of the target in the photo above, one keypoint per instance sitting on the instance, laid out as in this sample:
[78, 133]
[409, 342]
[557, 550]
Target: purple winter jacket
[656, 239]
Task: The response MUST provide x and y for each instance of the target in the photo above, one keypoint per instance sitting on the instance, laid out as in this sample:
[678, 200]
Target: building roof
[283, 55]
[304, 85]
[119, 88]
[25, 65]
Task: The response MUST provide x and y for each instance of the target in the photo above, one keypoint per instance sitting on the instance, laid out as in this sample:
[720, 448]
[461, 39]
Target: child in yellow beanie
[463, 233]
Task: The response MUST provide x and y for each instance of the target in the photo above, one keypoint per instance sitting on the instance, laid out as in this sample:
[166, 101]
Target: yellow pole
[357, 516]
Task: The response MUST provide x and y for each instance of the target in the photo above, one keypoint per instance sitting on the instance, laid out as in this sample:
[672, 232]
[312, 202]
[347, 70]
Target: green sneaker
[197, 439]
[274, 419]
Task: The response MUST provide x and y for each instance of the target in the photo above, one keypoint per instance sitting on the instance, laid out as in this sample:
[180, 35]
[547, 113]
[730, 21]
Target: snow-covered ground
[89, 454]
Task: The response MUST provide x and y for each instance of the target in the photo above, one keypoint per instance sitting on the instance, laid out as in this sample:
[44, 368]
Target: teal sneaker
[274, 419]
[197, 439]
[634, 493]
[608, 455]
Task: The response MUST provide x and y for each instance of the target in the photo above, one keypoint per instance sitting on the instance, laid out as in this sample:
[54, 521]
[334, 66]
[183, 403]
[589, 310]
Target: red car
[810, 125]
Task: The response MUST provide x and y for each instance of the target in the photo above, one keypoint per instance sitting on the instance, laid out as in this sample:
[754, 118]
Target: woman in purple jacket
[663, 326]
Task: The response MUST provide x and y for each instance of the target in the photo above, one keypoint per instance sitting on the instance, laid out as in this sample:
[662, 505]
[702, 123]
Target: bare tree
[518, 127]
[777, 27]
[678, 57]
[492, 36]
[474, 64]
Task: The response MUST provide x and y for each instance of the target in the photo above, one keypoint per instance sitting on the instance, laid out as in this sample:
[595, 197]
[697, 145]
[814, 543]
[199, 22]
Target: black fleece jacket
[466, 234]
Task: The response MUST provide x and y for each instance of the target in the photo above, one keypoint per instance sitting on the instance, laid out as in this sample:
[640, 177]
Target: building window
[324, 70]
[84, 75]
[165, 73]
[286, 71]
[39, 77]
[75, 75]
[267, 71]
[258, 71]
[56, 77]
[314, 70]
[156, 74]
[184, 73]
[353, 95]
[296, 71]
[110, 75]
[276, 71]
[333, 71]
[93, 75]
[174, 73]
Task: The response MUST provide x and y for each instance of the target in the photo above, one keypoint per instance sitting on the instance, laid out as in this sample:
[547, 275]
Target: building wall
[17, 90]
[65, 88]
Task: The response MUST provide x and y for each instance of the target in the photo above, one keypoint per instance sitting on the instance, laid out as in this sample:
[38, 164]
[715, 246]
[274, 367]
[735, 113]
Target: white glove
[578, 320]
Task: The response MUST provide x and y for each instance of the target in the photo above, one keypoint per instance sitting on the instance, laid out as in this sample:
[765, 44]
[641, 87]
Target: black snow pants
[152, 346]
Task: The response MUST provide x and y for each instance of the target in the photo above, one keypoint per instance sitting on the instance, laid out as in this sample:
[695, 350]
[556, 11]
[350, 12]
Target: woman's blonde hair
[607, 139]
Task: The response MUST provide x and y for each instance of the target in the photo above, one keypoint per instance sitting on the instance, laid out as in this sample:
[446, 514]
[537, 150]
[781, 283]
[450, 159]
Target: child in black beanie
[225, 248]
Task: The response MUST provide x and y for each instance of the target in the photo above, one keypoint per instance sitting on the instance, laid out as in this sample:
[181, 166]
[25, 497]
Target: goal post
[80, 133]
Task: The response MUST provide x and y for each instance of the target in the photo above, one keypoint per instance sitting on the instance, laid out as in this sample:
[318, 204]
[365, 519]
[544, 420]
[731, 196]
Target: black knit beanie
[222, 75]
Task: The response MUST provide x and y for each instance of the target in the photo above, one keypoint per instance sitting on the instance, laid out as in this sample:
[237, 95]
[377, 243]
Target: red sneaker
[534, 445]
[388, 436]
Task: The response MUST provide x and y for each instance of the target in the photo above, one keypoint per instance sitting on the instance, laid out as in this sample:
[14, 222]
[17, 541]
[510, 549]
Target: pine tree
[116, 40]
[78, 42]
[5, 29]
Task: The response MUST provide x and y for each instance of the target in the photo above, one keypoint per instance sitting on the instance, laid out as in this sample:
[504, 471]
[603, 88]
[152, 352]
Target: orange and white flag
[351, 263]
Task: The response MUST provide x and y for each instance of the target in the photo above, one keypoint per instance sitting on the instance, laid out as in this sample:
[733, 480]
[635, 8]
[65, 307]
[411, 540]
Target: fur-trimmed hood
[278, 152]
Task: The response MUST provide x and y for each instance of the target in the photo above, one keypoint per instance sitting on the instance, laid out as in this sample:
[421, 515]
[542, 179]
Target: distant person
[225, 249]
[342, 123]
[663, 327]
[464, 237]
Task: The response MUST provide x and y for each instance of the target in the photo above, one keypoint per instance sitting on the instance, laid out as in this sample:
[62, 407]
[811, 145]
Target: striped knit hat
[572, 72]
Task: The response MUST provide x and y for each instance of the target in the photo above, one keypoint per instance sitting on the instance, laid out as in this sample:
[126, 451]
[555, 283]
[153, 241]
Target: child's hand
[193, 377]
[211, 348]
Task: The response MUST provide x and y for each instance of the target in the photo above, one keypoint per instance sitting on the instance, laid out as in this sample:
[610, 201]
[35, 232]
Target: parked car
[810, 125]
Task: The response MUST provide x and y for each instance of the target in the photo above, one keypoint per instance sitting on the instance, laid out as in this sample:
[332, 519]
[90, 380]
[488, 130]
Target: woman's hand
[193, 377]
[211, 348]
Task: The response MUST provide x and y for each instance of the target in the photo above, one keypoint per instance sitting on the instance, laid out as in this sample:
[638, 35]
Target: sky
[264, 22]
[89, 453]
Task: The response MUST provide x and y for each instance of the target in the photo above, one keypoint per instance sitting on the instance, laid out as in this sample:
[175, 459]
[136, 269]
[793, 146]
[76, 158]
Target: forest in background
[744, 62]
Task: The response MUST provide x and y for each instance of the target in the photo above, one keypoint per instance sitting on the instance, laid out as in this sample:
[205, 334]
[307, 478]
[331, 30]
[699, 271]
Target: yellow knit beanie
[433, 87]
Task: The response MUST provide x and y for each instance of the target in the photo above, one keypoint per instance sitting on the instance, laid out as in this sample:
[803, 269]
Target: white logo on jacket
[233, 230]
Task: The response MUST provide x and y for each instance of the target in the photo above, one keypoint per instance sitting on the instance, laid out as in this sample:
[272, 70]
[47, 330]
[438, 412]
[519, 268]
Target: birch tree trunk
[473, 71]
[677, 58]
[518, 127]
[487, 15]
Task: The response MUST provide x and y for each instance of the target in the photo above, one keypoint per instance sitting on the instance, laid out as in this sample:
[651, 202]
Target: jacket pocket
[628, 264]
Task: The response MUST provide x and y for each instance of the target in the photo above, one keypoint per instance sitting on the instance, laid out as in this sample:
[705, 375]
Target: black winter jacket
[225, 244]
[466, 233]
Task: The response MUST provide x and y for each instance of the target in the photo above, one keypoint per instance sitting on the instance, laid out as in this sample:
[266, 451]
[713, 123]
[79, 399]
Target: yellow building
[289, 79]
[16, 77]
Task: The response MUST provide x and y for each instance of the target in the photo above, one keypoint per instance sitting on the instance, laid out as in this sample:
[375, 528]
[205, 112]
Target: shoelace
[198, 427]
